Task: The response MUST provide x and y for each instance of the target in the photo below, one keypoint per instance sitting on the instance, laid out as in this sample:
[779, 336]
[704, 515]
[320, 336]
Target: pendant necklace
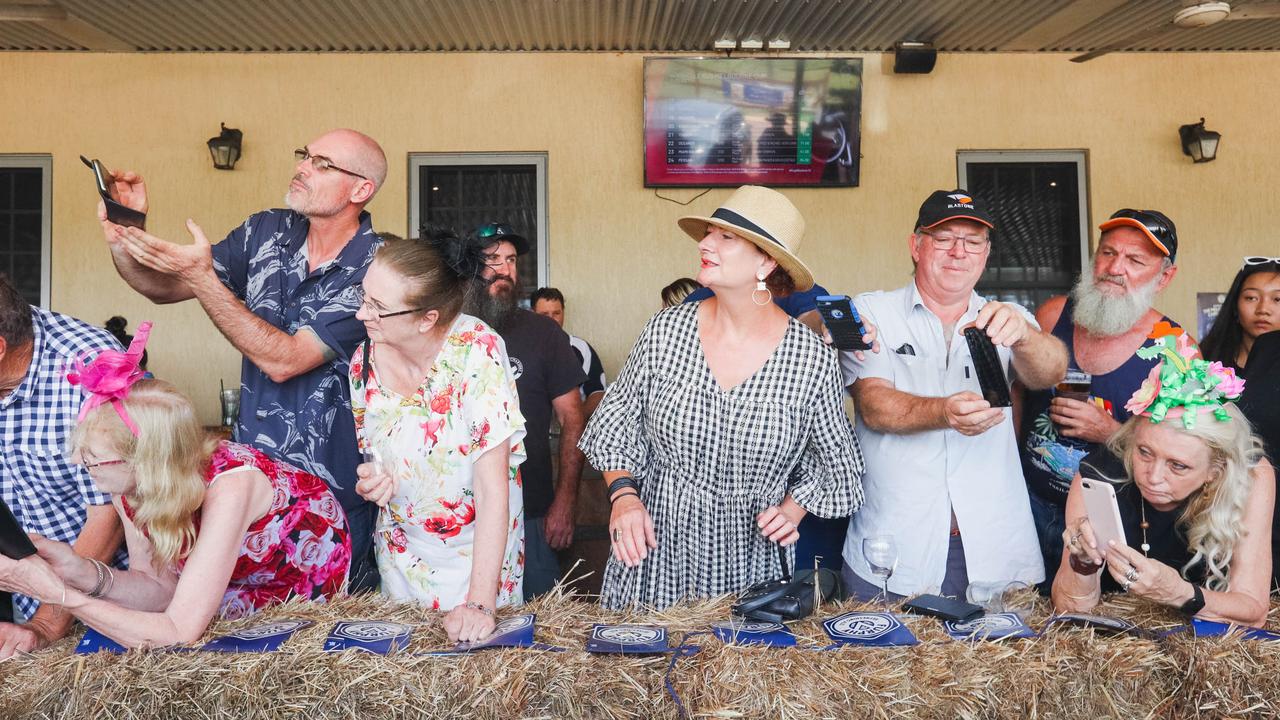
[1146, 547]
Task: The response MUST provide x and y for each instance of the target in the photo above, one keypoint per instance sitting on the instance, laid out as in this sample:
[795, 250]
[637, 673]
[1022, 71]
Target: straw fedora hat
[766, 218]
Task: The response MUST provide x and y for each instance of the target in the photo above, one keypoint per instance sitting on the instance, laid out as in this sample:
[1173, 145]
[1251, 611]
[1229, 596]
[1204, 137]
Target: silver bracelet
[96, 592]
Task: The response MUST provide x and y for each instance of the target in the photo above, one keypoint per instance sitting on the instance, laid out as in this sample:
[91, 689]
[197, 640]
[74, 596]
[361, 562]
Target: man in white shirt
[943, 476]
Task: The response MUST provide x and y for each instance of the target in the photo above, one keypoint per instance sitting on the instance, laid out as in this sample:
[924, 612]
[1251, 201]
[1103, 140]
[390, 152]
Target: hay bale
[1068, 672]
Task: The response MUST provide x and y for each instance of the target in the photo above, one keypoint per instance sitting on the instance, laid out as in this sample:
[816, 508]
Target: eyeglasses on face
[103, 463]
[973, 244]
[322, 163]
[367, 303]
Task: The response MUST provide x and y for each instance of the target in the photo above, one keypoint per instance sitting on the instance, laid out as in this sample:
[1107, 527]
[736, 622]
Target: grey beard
[1108, 316]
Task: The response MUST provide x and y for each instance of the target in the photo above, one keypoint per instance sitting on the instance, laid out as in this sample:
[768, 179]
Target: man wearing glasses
[1103, 322]
[282, 288]
[47, 493]
[942, 471]
[548, 375]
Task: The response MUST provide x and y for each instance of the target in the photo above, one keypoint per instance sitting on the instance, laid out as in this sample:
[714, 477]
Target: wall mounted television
[783, 122]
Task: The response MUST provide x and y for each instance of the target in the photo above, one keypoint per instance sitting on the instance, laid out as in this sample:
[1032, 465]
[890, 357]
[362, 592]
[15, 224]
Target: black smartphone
[116, 213]
[986, 363]
[943, 607]
[842, 320]
[14, 542]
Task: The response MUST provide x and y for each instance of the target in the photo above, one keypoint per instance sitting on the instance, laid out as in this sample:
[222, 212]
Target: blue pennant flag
[515, 631]
[94, 641]
[628, 639]
[266, 637]
[1209, 628]
[869, 628]
[1102, 623]
[751, 632]
[996, 626]
[371, 636]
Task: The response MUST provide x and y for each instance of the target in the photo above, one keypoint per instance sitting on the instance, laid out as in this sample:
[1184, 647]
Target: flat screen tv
[791, 122]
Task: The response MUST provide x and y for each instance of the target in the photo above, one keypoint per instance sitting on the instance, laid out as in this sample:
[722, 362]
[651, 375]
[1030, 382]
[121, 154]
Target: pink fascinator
[108, 378]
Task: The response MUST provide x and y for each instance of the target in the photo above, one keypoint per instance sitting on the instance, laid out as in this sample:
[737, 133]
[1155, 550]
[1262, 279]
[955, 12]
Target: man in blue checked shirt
[46, 493]
[283, 289]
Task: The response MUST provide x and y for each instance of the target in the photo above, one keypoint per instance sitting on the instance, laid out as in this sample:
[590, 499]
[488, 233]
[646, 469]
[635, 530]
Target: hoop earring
[761, 287]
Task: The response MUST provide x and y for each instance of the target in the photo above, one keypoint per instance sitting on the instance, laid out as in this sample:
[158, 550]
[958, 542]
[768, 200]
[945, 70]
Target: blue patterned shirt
[306, 420]
[47, 493]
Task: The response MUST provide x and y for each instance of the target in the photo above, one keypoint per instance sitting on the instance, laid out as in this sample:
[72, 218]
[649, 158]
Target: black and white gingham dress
[709, 460]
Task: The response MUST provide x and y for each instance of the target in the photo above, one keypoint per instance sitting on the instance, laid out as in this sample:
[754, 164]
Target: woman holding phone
[1195, 500]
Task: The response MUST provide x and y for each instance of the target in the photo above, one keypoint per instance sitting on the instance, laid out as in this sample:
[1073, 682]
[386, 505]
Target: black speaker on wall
[914, 57]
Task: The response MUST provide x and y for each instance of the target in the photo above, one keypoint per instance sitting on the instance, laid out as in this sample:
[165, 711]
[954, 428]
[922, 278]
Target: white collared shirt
[913, 483]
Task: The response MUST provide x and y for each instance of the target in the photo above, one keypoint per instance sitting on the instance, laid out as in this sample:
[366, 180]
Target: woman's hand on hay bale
[631, 531]
[465, 624]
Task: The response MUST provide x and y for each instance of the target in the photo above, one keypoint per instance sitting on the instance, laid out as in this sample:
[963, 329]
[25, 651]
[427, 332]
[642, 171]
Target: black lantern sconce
[1198, 143]
[225, 148]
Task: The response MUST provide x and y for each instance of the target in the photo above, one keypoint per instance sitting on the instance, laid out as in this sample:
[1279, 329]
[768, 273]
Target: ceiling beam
[25, 12]
[1066, 20]
[87, 36]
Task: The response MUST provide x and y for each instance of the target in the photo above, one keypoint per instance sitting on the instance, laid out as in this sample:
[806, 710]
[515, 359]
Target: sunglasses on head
[1252, 260]
[1151, 222]
[494, 230]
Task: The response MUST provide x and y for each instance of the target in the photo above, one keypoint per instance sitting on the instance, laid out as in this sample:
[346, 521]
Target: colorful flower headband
[108, 378]
[1182, 383]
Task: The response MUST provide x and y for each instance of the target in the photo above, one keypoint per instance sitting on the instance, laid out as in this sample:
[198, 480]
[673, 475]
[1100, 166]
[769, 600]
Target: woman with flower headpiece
[1195, 496]
[212, 528]
[437, 415]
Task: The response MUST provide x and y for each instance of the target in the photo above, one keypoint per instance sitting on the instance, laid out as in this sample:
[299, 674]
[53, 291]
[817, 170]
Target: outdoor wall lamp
[225, 148]
[1197, 142]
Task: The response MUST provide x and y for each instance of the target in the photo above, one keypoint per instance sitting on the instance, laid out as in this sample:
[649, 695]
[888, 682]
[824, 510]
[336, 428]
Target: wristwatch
[1195, 604]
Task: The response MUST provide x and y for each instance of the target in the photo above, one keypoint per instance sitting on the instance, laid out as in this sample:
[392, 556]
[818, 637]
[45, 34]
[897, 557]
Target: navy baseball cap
[944, 205]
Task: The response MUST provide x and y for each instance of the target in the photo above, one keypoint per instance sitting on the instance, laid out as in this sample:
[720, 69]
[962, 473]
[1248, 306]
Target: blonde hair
[169, 458]
[1212, 515]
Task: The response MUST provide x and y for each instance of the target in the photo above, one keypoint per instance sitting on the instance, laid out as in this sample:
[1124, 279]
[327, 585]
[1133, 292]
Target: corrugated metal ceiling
[614, 25]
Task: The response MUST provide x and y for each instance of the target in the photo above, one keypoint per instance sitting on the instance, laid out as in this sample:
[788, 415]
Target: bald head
[360, 153]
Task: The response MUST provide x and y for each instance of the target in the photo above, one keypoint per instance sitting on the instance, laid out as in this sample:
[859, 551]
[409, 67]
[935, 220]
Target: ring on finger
[1126, 585]
[617, 534]
[1074, 541]
[1132, 575]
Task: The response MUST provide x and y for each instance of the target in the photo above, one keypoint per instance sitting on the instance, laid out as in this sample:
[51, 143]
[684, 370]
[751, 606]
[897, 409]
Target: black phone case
[844, 324]
[116, 213]
[943, 607]
[986, 362]
[14, 542]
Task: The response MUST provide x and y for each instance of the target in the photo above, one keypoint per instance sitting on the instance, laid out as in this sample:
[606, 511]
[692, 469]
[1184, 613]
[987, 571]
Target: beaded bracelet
[477, 606]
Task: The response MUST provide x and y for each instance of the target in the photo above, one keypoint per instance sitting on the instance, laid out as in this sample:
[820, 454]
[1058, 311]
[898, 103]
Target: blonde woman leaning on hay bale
[726, 426]
[435, 400]
[212, 528]
[1195, 501]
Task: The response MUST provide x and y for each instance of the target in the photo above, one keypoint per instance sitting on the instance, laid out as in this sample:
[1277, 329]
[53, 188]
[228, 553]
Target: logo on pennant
[627, 634]
[987, 623]
[862, 626]
[512, 623]
[748, 626]
[370, 631]
[269, 630]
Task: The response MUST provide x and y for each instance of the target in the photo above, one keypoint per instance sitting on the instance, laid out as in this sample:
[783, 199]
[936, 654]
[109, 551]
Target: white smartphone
[1103, 511]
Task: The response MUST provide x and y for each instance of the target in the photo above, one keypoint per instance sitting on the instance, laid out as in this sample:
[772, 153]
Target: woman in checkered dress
[728, 418]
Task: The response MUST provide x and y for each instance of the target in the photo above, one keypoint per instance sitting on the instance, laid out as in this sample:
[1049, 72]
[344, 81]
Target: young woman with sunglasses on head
[437, 414]
[1250, 310]
[212, 528]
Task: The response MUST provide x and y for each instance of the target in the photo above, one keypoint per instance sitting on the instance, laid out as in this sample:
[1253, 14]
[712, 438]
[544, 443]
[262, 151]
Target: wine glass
[881, 553]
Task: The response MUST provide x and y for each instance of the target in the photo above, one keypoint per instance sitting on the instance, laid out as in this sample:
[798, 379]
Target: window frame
[538, 160]
[1080, 158]
[45, 165]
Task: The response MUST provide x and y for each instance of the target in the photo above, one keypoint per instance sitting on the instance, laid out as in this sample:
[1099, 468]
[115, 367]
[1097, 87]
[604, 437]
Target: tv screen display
[764, 121]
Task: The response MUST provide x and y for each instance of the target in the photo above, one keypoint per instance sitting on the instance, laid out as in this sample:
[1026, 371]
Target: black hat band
[730, 216]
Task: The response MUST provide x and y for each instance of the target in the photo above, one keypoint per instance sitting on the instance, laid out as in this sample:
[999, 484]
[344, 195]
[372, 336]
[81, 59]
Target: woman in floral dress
[212, 528]
[435, 403]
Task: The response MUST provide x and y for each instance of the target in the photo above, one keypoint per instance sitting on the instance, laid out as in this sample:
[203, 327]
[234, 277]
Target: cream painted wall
[613, 243]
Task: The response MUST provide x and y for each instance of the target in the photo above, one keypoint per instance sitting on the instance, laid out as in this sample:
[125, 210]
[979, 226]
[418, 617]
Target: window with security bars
[1041, 239]
[465, 191]
[24, 225]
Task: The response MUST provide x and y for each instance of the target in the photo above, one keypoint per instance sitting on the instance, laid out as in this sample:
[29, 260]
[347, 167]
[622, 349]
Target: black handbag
[790, 598]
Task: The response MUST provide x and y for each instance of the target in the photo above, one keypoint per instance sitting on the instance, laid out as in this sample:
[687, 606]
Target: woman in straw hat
[1195, 498]
[726, 426]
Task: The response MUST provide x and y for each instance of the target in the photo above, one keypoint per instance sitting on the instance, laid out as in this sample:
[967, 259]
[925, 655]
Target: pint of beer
[1076, 385]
